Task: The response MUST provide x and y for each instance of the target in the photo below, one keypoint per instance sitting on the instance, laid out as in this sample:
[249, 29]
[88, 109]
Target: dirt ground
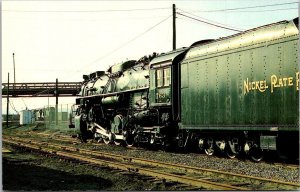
[29, 171]
[25, 170]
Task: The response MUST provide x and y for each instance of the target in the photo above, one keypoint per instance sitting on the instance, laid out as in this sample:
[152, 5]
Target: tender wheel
[255, 153]
[209, 147]
[230, 154]
[209, 151]
[232, 149]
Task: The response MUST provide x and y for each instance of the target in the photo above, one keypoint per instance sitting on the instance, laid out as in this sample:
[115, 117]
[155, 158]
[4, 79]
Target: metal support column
[174, 27]
[7, 105]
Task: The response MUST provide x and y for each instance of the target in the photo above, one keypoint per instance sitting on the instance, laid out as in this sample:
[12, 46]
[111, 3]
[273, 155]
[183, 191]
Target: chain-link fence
[54, 116]
[48, 117]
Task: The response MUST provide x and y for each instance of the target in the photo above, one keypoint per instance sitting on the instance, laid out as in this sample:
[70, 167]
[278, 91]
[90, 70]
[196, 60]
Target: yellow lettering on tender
[276, 82]
[246, 86]
[255, 85]
[290, 81]
[297, 81]
[284, 80]
[280, 82]
[273, 82]
[262, 86]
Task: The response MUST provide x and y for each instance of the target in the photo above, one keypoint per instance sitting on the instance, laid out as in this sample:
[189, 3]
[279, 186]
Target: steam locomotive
[238, 94]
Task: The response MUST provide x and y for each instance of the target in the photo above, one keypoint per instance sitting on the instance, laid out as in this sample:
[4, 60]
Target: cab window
[167, 76]
[163, 77]
[159, 78]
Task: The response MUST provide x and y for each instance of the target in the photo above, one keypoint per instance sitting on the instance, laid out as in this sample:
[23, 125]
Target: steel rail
[184, 168]
[291, 166]
[60, 137]
[133, 168]
[65, 138]
[163, 175]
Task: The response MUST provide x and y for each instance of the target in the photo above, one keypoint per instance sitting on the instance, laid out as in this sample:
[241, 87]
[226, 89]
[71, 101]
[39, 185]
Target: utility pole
[56, 103]
[14, 68]
[7, 104]
[49, 117]
[14, 73]
[174, 27]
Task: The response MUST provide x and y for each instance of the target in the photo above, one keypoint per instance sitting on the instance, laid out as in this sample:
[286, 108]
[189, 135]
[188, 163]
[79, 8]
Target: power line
[207, 20]
[209, 23]
[251, 7]
[149, 9]
[284, 9]
[24, 103]
[121, 46]
[13, 106]
[85, 11]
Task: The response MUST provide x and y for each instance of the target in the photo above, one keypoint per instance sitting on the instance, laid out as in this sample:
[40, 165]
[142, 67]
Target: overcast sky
[66, 39]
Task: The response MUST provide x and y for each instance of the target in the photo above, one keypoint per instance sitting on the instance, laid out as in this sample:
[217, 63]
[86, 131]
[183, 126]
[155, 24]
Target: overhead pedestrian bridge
[43, 89]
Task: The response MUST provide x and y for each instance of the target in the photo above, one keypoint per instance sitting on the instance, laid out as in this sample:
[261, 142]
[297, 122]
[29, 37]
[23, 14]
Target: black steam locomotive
[234, 94]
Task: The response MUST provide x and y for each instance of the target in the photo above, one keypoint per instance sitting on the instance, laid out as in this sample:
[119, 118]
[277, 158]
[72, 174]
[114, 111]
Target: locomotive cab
[163, 81]
[163, 91]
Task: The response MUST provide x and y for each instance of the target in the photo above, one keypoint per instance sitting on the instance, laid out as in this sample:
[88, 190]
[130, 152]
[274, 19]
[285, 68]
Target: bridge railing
[41, 89]
[45, 85]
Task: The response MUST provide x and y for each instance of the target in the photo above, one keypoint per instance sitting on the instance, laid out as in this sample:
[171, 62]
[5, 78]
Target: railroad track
[57, 137]
[68, 153]
[198, 177]
[291, 166]
[70, 139]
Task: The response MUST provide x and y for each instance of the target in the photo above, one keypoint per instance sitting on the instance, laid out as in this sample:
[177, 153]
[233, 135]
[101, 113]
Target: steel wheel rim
[230, 154]
[209, 151]
[256, 154]
[209, 147]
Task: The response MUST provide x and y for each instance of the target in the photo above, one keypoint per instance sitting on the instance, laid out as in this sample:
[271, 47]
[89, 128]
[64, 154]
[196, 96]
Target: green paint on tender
[213, 76]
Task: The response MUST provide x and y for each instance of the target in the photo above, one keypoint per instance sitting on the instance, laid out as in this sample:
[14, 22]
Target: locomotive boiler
[238, 94]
